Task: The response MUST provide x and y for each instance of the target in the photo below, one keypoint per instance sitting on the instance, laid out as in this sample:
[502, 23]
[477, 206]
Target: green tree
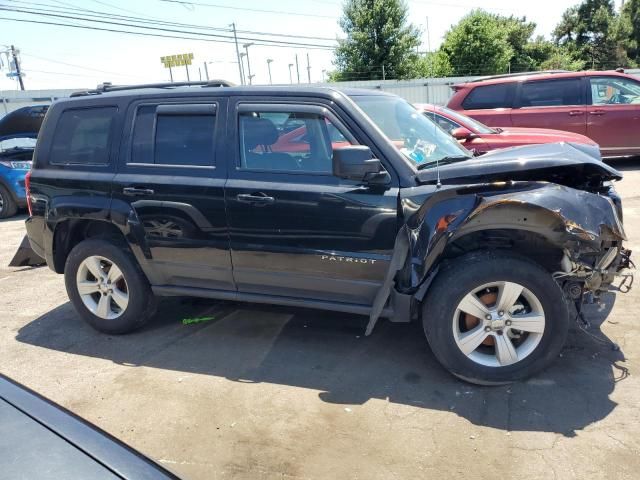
[629, 30]
[377, 34]
[484, 43]
[477, 46]
[588, 32]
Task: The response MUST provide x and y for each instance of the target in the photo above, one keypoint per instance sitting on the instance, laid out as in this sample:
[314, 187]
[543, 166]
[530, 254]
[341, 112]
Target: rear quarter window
[83, 136]
[489, 96]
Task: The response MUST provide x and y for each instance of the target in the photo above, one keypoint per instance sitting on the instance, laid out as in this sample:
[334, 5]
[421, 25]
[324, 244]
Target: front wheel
[493, 317]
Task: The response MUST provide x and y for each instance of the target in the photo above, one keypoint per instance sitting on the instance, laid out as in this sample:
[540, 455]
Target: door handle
[135, 191]
[575, 113]
[255, 198]
[598, 113]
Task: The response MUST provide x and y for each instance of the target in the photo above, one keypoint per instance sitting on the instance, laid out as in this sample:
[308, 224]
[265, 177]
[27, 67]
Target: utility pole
[297, 68]
[323, 72]
[16, 62]
[235, 38]
[206, 71]
[383, 73]
[246, 49]
[308, 70]
[269, 61]
[186, 67]
[290, 76]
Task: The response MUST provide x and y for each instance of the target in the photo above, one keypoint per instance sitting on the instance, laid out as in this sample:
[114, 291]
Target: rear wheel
[107, 287]
[8, 207]
[495, 318]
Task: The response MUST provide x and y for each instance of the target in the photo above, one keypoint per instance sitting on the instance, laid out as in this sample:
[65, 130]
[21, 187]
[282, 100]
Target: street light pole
[297, 68]
[235, 39]
[323, 73]
[206, 71]
[290, 75]
[246, 49]
[269, 61]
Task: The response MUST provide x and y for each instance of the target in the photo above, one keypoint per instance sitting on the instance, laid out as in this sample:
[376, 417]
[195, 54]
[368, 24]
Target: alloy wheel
[498, 324]
[102, 287]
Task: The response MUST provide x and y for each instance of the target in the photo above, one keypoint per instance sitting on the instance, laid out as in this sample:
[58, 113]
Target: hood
[570, 164]
[22, 123]
[540, 135]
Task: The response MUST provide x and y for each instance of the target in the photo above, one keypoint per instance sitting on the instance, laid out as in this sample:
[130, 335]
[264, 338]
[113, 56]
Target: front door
[614, 115]
[296, 230]
[557, 104]
[172, 179]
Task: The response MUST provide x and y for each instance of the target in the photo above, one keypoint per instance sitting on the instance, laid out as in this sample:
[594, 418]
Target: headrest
[258, 131]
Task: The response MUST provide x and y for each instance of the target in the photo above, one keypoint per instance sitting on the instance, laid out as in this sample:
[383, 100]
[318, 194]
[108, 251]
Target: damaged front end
[572, 227]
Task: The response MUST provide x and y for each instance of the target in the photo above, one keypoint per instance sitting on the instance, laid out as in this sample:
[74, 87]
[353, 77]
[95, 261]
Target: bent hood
[570, 164]
[22, 123]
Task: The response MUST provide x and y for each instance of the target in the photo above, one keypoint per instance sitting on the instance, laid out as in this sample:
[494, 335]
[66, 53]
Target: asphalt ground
[265, 392]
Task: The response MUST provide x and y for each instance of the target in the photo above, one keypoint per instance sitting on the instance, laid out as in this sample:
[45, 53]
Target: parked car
[476, 136]
[41, 440]
[401, 223]
[18, 131]
[604, 106]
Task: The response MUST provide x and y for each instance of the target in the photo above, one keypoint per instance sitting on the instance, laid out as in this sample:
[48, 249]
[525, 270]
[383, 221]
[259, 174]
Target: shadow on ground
[327, 352]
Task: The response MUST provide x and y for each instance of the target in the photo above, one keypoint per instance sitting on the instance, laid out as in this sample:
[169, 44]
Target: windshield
[417, 137]
[12, 143]
[479, 127]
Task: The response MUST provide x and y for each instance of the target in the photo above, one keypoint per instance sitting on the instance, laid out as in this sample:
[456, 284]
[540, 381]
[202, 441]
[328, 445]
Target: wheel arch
[68, 233]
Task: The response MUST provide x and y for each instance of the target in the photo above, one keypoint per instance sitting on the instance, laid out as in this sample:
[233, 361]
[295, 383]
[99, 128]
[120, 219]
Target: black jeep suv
[349, 201]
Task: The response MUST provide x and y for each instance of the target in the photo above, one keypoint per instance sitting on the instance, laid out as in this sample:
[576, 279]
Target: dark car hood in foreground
[568, 164]
[21, 123]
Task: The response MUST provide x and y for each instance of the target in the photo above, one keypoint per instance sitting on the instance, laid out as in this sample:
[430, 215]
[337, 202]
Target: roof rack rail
[519, 74]
[109, 87]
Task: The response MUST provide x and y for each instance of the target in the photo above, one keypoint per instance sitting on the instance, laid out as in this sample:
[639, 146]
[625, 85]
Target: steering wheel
[617, 98]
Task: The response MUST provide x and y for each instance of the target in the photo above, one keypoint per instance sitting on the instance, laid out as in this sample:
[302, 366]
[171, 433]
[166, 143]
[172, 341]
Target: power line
[78, 66]
[258, 41]
[148, 20]
[245, 9]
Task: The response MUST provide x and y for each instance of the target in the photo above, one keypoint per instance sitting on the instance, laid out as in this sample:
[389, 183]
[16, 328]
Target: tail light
[27, 187]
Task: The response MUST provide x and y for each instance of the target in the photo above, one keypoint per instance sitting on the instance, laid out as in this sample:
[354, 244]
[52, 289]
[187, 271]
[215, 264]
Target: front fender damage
[583, 225]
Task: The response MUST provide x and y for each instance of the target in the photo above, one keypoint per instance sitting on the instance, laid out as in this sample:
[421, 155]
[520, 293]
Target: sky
[67, 57]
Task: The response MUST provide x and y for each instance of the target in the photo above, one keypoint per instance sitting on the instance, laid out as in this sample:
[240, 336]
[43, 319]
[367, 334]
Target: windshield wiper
[444, 161]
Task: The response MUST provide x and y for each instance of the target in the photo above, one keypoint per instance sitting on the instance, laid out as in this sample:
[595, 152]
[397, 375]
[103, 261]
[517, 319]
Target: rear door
[491, 104]
[172, 180]
[614, 114]
[557, 104]
[296, 230]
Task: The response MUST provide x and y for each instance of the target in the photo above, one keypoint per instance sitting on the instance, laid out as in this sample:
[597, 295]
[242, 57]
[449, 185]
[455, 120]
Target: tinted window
[551, 93]
[489, 96]
[83, 136]
[614, 91]
[173, 138]
[293, 141]
[444, 123]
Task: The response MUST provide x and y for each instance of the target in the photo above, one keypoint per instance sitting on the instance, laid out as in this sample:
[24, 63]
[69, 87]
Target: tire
[8, 206]
[493, 278]
[131, 302]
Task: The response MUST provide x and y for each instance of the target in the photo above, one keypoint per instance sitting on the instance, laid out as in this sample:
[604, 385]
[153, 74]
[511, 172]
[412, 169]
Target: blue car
[18, 132]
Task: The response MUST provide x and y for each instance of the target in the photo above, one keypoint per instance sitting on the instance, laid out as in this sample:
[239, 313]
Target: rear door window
[552, 93]
[83, 136]
[490, 96]
[174, 135]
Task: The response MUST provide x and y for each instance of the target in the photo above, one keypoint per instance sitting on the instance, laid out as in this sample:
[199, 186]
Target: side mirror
[356, 162]
[461, 133]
